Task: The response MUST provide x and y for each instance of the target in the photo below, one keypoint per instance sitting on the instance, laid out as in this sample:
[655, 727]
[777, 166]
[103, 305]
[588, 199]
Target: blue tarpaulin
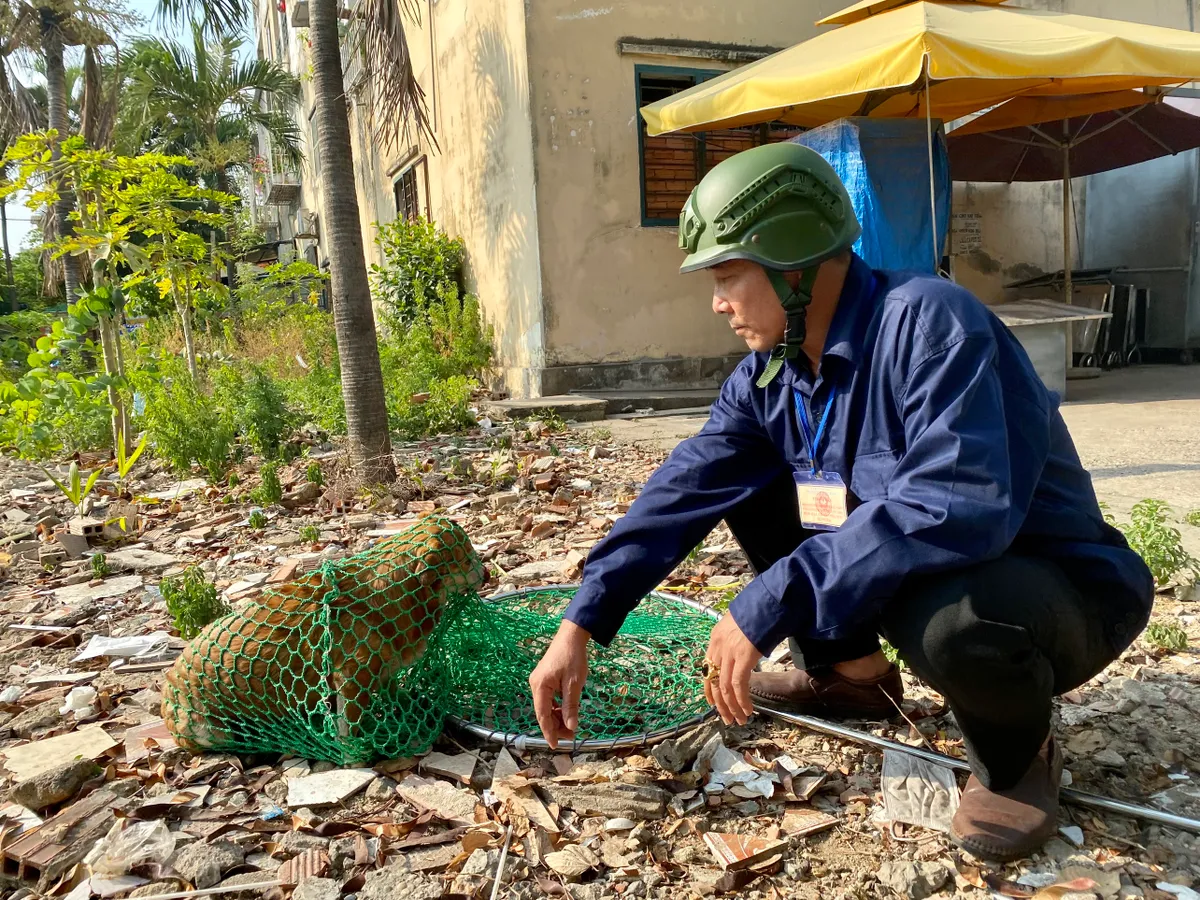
[884, 164]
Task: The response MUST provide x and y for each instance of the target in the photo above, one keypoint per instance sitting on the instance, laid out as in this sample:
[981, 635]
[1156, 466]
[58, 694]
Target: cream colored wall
[472, 62]
[611, 287]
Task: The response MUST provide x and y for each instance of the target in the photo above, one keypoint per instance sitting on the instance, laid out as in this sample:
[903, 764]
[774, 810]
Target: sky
[18, 214]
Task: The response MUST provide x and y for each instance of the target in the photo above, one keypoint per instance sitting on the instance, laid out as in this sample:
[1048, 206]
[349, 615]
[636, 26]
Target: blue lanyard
[811, 441]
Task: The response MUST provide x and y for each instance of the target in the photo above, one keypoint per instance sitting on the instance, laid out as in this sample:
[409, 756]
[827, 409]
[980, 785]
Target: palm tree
[45, 28]
[19, 113]
[378, 39]
[203, 103]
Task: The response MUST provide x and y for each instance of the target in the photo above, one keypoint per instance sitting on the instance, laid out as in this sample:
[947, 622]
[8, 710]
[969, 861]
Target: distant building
[568, 210]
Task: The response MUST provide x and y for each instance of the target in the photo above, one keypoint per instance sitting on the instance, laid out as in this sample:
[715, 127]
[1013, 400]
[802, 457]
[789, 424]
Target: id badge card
[822, 499]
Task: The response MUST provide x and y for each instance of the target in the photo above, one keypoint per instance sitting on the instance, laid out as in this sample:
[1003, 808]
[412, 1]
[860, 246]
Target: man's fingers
[543, 708]
[741, 687]
[572, 689]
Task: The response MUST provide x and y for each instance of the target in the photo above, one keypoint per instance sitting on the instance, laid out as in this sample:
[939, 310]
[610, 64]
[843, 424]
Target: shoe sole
[992, 855]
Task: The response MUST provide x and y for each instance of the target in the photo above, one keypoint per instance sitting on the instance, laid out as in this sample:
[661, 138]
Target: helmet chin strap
[795, 304]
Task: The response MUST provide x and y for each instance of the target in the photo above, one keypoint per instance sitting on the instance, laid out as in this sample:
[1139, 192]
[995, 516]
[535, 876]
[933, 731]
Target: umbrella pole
[937, 256]
[1068, 204]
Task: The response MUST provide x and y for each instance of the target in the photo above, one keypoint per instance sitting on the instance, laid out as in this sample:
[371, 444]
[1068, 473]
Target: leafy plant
[892, 654]
[126, 462]
[269, 490]
[100, 566]
[192, 601]
[310, 534]
[1166, 636]
[1193, 518]
[257, 520]
[75, 488]
[184, 424]
[1157, 542]
[314, 474]
[420, 262]
[256, 406]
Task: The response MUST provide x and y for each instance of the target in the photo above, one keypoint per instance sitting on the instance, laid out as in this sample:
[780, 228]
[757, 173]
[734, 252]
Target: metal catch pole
[1070, 795]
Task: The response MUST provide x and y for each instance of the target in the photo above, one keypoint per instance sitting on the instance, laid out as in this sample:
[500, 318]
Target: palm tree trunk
[10, 285]
[56, 101]
[353, 318]
[230, 262]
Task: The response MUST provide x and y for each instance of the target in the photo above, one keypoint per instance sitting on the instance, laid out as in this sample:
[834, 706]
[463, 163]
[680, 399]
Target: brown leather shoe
[1009, 825]
[827, 694]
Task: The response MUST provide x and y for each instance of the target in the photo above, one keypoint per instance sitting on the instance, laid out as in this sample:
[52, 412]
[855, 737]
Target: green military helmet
[780, 205]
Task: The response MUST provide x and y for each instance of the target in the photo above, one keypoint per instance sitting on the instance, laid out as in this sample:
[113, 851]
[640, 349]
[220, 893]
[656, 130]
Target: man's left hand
[735, 658]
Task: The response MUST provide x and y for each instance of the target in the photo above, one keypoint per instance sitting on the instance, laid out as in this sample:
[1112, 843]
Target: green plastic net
[365, 657]
[648, 681]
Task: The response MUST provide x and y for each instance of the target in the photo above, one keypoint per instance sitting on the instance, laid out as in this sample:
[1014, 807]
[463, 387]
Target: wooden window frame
[419, 170]
[703, 139]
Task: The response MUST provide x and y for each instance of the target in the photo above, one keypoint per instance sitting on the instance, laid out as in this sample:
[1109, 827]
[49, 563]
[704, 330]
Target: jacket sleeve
[702, 480]
[952, 500]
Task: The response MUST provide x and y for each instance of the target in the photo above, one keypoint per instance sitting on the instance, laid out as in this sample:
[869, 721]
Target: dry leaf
[476, 840]
[1079, 885]
[572, 861]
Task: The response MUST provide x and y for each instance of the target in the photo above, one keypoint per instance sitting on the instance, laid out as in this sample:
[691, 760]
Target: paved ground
[1137, 430]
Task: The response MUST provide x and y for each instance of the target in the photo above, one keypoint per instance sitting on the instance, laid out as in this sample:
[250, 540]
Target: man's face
[743, 294]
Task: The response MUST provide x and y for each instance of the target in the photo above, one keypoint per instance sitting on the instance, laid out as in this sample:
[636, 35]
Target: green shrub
[420, 262]
[1166, 636]
[440, 355]
[1193, 518]
[257, 520]
[192, 602]
[19, 331]
[310, 534]
[256, 406]
[1157, 542]
[269, 489]
[314, 475]
[185, 425]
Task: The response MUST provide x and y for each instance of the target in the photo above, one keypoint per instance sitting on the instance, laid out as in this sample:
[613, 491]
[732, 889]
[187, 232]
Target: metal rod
[937, 255]
[500, 866]
[1068, 205]
[1070, 795]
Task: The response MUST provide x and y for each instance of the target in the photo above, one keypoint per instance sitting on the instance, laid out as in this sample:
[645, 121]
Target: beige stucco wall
[472, 62]
[610, 287]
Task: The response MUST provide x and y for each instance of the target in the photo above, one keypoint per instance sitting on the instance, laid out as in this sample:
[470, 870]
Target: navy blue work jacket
[953, 450]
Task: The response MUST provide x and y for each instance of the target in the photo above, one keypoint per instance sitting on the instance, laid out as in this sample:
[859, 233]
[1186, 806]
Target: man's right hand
[560, 676]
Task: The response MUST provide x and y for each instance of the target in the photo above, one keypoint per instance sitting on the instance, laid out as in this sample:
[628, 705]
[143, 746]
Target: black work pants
[997, 639]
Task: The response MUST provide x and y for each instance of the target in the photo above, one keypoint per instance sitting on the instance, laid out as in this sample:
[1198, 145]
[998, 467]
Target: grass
[1166, 636]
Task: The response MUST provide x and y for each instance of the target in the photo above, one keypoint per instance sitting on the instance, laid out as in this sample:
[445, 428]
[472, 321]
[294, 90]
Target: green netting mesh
[341, 664]
[363, 659]
[647, 680]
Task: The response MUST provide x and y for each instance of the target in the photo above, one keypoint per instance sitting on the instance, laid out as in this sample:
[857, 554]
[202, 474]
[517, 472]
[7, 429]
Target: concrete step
[566, 406]
[624, 402]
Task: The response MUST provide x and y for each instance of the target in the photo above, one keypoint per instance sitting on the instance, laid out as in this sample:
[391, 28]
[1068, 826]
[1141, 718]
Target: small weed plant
[100, 566]
[1157, 542]
[74, 488]
[314, 474]
[257, 520]
[269, 489]
[192, 602]
[1193, 518]
[1166, 636]
[310, 534]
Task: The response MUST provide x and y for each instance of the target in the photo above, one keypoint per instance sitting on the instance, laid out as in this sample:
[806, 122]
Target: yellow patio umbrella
[964, 57]
[898, 59]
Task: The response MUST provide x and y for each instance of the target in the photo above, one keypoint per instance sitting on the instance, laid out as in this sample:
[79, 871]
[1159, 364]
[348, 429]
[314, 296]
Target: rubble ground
[761, 811]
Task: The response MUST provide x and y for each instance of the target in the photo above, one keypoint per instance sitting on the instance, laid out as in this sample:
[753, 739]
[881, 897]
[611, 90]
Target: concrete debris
[55, 785]
[325, 788]
[317, 889]
[135, 559]
[451, 803]
[460, 767]
[203, 864]
[76, 594]
[913, 881]
[30, 760]
[393, 883]
[676, 754]
[610, 799]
